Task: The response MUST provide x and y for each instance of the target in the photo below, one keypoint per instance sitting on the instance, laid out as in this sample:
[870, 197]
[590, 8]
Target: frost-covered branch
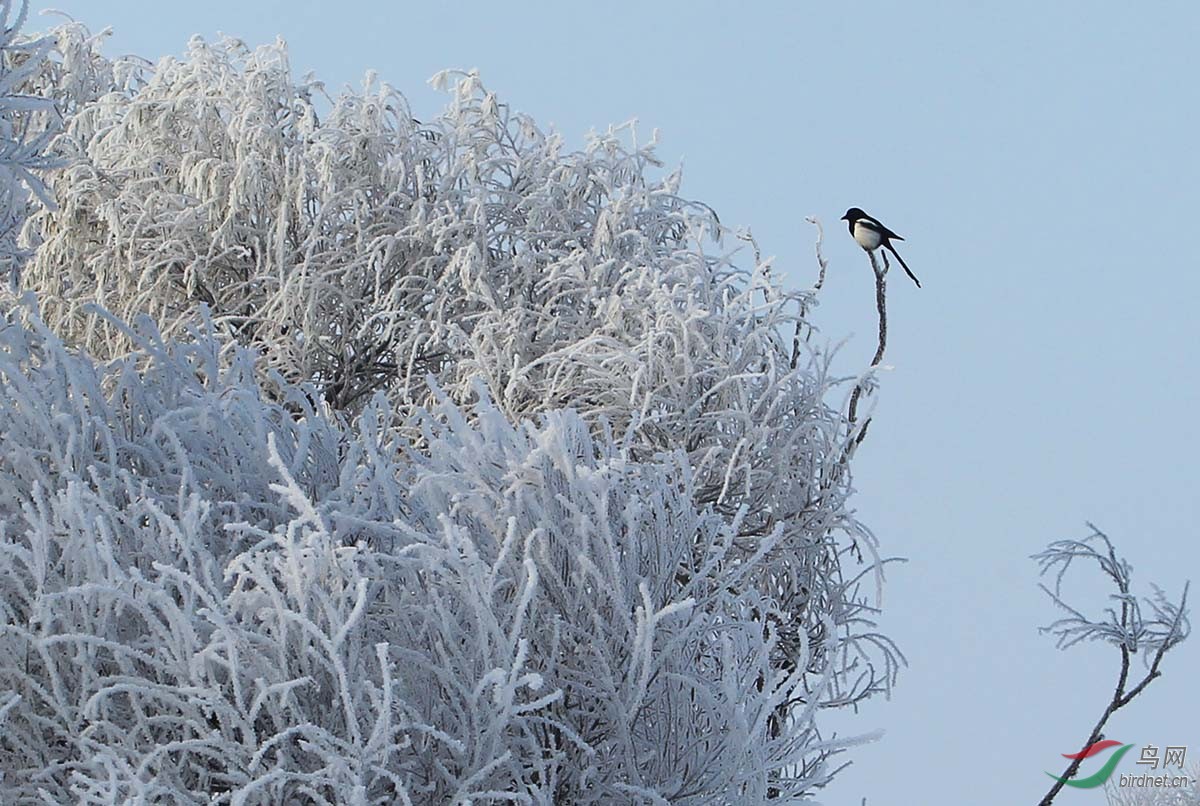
[868, 381]
[1148, 627]
[28, 122]
[822, 265]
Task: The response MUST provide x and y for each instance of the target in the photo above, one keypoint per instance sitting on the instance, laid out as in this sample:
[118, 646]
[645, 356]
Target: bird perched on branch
[870, 235]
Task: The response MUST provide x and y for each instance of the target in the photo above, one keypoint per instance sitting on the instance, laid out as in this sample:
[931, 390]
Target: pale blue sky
[1041, 160]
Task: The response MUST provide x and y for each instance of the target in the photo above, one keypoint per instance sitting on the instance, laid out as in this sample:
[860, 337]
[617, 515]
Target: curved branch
[1125, 631]
[881, 347]
[824, 266]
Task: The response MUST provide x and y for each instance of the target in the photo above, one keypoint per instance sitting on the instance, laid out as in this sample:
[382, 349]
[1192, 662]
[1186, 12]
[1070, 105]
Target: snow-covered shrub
[208, 594]
[357, 252]
[27, 124]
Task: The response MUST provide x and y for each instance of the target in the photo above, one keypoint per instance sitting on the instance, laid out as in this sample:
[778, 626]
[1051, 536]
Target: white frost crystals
[347, 458]
[189, 613]
[28, 122]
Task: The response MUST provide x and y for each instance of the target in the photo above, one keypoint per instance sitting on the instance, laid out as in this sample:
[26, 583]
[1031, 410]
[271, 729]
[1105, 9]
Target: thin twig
[803, 318]
[821, 261]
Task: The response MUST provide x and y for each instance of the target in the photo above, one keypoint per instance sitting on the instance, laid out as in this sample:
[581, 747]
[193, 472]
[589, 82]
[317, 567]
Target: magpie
[870, 235]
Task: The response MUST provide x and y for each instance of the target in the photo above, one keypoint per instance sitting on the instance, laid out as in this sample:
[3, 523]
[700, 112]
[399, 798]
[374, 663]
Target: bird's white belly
[866, 237]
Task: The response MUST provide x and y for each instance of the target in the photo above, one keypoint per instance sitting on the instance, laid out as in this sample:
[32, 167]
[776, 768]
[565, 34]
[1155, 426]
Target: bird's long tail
[907, 270]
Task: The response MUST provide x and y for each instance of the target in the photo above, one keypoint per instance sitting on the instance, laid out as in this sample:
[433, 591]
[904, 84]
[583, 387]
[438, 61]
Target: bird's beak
[844, 218]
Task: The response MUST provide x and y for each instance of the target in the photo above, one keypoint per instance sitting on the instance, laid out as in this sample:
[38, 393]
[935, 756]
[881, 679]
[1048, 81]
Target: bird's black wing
[877, 225]
[887, 233]
[871, 224]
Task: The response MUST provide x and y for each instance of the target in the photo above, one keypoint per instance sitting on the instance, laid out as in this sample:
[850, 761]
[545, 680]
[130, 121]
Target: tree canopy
[355, 458]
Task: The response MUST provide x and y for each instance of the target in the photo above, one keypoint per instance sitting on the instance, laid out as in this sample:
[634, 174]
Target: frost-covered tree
[465, 466]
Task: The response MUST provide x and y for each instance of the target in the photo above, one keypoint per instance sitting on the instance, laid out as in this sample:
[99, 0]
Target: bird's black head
[853, 214]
